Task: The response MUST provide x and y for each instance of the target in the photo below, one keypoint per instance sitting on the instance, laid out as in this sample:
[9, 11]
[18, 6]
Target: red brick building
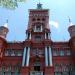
[38, 54]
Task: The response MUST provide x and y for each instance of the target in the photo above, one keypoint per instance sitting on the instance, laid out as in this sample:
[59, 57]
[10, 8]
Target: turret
[3, 33]
[71, 30]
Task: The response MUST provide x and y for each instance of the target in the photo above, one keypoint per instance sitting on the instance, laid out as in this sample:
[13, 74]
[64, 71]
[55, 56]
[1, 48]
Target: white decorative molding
[46, 57]
[28, 56]
[24, 57]
[50, 56]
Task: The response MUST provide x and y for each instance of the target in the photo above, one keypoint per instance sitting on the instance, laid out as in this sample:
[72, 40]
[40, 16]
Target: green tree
[10, 4]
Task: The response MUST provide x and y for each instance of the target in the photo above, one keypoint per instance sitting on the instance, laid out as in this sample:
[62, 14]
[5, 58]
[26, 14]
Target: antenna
[7, 21]
[70, 22]
[69, 19]
[63, 38]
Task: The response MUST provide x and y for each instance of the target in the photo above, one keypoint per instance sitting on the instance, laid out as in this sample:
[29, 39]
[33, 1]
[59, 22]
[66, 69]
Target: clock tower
[38, 54]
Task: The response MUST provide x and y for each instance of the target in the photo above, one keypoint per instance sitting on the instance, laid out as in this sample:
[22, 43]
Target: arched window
[38, 27]
[17, 69]
[37, 64]
[38, 19]
[65, 69]
[43, 19]
[3, 69]
[34, 19]
[57, 69]
[6, 70]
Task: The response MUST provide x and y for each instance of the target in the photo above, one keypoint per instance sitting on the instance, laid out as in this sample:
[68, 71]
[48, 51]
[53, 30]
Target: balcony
[36, 73]
[38, 30]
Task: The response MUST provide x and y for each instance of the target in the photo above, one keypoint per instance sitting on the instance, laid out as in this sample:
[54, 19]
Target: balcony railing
[38, 30]
[36, 73]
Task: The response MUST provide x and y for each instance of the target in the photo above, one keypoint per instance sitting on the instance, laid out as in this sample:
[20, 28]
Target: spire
[70, 22]
[39, 6]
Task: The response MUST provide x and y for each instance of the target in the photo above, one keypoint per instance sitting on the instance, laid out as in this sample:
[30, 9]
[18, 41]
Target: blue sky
[18, 18]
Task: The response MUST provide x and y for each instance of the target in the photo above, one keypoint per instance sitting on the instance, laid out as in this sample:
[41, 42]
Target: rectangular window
[57, 73]
[68, 52]
[36, 68]
[38, 28]
[61, 53]
[19, 53]
[65, 73]
[55, 53]
[38, 38]
[12, 52]
[6, 53]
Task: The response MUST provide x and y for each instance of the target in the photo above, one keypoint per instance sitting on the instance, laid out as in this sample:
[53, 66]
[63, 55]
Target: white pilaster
[41, 28]
[28, 56]
[46, 57]
[26, 36]
[35, 28]
[24, 57]
[30, 36]
[45, 36]
[50, 56]
[48, 35]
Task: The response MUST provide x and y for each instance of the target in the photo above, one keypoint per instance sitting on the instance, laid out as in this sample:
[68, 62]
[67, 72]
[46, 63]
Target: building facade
[37, 54]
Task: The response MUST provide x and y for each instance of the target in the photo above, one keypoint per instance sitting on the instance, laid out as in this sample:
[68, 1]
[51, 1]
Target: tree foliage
[10, 4]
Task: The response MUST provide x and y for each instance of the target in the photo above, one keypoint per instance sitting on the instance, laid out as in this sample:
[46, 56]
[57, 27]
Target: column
[28, 56]
[46, 57]
[30, 36]
[24, 57]
[41, 28]
[49, 37]
[35, 29]
[45, 36]
[26, 35]
[50, 56]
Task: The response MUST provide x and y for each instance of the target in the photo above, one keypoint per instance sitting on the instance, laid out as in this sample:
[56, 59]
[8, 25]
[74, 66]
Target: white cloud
[54, 23]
